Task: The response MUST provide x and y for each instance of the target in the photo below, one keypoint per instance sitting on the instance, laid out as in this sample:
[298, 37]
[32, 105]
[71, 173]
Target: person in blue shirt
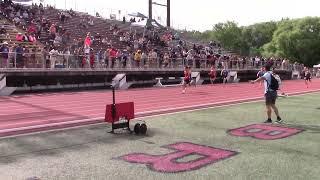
[224, 75]
[260, 74]
[270, 94]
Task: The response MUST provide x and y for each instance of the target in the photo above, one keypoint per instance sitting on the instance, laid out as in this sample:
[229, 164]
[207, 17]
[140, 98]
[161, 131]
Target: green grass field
[92, 153]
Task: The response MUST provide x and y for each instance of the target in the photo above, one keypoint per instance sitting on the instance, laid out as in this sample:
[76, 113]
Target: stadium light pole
[150, 9]
[168, 13]
[168, 6]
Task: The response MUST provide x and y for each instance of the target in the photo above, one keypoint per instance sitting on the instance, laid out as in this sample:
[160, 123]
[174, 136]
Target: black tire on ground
[143, 128]
[136, 128]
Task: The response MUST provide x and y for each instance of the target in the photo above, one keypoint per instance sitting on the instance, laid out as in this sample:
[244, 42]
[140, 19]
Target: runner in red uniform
[187, 78]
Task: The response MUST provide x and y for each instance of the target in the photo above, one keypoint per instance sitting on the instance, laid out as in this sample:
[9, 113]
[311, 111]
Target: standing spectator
[137, 58]
[144, 59]
[113, 56]
[166, 59]
[174, 57]
[87, 41]
[53, 57]
[106, 58]
[125, 56]
[224, 74]
[213, 74]
[92, 59]
[19, 56]
[32, 56]
[153, 58]
[4, 50]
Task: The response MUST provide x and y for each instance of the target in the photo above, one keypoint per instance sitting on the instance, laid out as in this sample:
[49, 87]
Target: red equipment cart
[120, 115]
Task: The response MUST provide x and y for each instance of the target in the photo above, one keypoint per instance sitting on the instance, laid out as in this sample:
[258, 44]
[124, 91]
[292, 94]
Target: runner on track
[307, 77]
[187, 78]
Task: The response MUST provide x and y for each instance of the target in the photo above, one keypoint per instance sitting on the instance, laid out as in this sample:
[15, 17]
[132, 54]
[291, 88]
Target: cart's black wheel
[136, 128]
[143, 128]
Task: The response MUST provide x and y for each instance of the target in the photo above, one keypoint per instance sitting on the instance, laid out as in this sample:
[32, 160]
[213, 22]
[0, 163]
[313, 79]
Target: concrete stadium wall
[42, 80]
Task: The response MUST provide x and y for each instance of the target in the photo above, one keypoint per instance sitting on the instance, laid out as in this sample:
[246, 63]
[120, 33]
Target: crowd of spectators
[151, 47]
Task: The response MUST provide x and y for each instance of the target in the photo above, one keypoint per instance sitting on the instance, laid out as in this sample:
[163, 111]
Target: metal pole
[113, 106]
[168, 13]
[150, 9]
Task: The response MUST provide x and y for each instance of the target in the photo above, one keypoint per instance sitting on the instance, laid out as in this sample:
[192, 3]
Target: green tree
[296, 40]
[228, 34]
[257, 35]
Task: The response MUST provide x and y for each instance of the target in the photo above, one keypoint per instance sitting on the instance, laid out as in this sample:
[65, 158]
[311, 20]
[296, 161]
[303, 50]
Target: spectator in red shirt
[87, 41]
[113, 55]
[32, 29]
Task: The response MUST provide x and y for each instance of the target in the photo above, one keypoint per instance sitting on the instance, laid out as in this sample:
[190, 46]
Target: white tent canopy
[317, 66]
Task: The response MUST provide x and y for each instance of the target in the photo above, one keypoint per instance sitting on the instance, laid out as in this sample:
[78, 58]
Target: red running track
[39, 112]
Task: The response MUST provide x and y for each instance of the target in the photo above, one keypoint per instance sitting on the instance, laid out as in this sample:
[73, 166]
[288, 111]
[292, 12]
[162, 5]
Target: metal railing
[49, 61]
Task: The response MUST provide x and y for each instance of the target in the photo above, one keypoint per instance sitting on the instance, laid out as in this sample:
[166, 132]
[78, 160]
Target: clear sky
[202, 14]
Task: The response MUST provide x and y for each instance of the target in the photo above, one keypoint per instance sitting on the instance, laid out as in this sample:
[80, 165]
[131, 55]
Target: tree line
[295, 39]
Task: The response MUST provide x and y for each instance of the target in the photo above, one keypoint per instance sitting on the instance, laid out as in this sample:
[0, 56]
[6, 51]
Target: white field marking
[225, 105]
[52, 130]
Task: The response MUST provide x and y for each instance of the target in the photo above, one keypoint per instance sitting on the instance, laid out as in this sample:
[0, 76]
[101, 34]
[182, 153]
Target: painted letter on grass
[171, 162]
[264, 131]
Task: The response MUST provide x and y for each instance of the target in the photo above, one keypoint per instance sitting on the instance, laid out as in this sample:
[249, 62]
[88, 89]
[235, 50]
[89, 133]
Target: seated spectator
[121, 39]
[53, 31]
[17, 20]
[3, 30]
[66, 37]
[72, 13]
[32, 38]
[25, 38]
[98, 15]
[82, 24]
[115, 32]
[97, 38]
[11, 15]
[25, 15]
[62, 17]
[91, 22]
[58, 40]
[18, 13]
[32, 29]
[105, 40]
[19, 37]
